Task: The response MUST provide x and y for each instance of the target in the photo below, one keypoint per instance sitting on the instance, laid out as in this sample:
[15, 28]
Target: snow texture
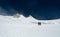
[28, 27]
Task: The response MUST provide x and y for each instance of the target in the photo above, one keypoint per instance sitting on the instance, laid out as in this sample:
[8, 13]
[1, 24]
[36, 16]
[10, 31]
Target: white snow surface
[28, 27]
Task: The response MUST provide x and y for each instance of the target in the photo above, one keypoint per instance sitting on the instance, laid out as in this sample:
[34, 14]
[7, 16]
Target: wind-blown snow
[28, 27]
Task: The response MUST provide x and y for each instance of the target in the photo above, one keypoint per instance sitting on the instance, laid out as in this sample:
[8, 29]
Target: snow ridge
[28, 27]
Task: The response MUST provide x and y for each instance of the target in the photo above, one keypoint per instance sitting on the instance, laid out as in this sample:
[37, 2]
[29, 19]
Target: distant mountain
[28, 27]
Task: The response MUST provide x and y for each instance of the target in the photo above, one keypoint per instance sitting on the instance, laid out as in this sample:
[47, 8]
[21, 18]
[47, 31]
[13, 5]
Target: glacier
[28, 27]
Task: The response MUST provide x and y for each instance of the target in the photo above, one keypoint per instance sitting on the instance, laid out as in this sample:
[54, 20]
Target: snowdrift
[28, 27]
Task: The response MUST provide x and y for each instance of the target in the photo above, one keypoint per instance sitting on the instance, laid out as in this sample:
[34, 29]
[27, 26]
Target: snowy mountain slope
[28, 27]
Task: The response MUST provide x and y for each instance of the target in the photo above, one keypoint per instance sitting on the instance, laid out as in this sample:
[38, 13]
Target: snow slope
[28, 27]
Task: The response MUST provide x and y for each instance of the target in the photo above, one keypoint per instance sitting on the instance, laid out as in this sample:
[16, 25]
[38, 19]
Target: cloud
[3, 11]
[9, 11]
